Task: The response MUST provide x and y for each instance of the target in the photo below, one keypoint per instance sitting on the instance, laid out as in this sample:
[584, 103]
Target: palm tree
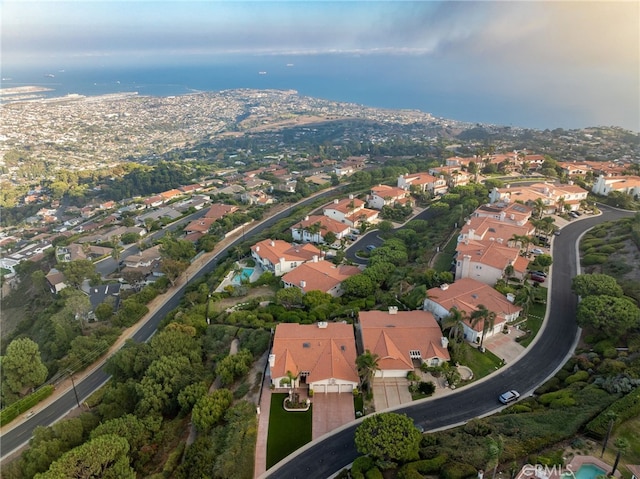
[524, 241]
[117, 249]
[539, 207]
[455, 323]
[367, 364]
[488, 319]
[524, 297]
[622, 445]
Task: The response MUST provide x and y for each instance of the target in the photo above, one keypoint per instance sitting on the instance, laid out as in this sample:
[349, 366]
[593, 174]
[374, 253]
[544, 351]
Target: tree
[210, 409]
[367, 364]
[75, 272]
[116, 250]
[104, 457]
[454, 321]
[104, 311]
[539, 207]
[596, 284]
[613, 316]
[388, 437]
[172, 268]
[488, 318]
[22, 366]
[290, 297]
[622, 445]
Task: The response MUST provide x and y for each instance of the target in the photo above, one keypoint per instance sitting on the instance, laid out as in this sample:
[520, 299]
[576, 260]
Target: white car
[537, 251]
[509, 396]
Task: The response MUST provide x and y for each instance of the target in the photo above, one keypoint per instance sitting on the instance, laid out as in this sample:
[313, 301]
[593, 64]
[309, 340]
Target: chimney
[303, 284]
[511, 297]
[322, 324]
[315, 258]
[444, 286]
[350, 197]
[393, 310]
[306, 218]
[336, 201]
[272, 243]
[272, 360]
[257, 249]
[444, 342]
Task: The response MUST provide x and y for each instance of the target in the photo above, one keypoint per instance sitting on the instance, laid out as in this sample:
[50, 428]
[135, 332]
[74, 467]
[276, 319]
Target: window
[415, 354]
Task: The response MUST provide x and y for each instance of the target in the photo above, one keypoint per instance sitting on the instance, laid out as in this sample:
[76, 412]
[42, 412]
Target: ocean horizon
[393, 82]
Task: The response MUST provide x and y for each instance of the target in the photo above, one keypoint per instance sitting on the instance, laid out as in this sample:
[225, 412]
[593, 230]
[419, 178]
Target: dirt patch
[258, 292]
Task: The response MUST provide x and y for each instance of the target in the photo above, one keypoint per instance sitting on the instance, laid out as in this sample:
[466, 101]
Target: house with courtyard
[466, 295]
[402, 340]
[384, 195]
[319, 357]
[280, 257]
[350, 211]
[319, 275]
[624, 184]
[424, 182]
[312, 229]
[487, 261]
[490, 229]
[556, 198]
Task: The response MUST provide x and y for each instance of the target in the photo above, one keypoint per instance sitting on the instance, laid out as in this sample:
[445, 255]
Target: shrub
[624, 408]
[519, 408]
[374, 474]
[427, 388]
[579, 376]
[362, 464]
[552, 384]
[478, 427]
[591, 259]
[458, 470]
[9, 413]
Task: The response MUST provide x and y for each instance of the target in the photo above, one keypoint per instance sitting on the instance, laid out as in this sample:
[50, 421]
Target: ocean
[395, 82]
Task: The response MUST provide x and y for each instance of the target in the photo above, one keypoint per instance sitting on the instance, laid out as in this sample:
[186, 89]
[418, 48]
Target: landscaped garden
[288, 431]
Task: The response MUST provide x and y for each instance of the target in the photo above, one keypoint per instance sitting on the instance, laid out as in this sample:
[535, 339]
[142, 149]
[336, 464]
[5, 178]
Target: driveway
[390, 392]
[505, 346]
[330, 411]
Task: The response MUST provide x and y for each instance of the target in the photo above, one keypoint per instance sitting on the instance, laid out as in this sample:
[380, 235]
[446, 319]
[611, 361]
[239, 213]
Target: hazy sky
[568, 53]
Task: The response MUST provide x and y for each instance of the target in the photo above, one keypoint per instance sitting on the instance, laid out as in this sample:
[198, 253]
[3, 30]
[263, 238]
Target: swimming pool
[586, 471]
[245, 275]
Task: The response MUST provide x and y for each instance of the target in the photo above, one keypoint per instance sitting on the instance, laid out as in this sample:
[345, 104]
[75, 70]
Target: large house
[516, 213]
[486, 261]
[490, 229]
[554, 197]
[350, 211]
[321, 357]
[318, 275]
[424, 182]
[314, 228]
[453, 175]
[383, 195]
[144, 259]
[280, 257]
[625, 184]
[399, 338]
[466, 295]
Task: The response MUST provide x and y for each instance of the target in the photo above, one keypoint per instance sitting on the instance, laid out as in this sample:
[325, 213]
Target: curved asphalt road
[19, 435]
[554, 344]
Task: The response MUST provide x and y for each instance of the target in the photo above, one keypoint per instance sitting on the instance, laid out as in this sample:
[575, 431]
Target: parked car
[509, 396]
[537, 251]
[574, 214]
[539, 273]
[538, 279]
[371, 247]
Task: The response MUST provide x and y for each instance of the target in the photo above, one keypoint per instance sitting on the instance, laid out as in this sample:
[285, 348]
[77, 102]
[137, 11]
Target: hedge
[9, 413]
[458, 470]
[624, 408]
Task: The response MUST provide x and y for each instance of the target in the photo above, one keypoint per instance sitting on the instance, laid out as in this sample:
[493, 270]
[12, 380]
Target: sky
[585, 55]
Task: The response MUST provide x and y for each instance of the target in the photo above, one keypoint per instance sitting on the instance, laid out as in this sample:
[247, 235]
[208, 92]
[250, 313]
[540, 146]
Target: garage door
[346, 388]
[318, 388]
[333, 388]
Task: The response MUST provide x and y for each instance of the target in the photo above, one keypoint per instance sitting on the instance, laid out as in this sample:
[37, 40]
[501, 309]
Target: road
[549, 351]
[19, 435]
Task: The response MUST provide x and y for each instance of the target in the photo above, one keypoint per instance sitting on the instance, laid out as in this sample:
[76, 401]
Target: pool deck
[228, 279]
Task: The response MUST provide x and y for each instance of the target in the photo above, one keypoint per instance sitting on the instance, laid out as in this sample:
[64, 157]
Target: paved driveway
[505, 346]
[390, 392]
[330, 411]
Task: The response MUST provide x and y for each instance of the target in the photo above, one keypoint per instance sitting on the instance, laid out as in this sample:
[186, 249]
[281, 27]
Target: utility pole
[74, 389]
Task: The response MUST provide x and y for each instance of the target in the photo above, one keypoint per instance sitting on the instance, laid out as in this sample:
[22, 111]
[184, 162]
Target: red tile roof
[319, 276]
[324, 353]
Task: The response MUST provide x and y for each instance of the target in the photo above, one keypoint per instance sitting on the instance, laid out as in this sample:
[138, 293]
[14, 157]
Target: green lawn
[445, 257]
[534, 319]
[288, 431]
[482, 364]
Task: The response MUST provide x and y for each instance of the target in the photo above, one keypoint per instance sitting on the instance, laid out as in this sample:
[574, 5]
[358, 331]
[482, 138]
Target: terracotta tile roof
[487, 228]
[326, 224]
[201, 225]
[491, 253]
[467, 294]
[363, 214]
[319, 276]
[384, 191]
[167, 195]
[420, 178]
[153, 199]
[273, 250]
[511, 212]
[393, 336]
[219, 210]
[344, 205]
[323, 352]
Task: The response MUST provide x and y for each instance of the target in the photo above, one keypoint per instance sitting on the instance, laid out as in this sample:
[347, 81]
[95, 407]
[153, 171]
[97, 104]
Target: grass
[629, 431]
[445, 257]
[534, 322]
[482, 364]
[288, 431]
